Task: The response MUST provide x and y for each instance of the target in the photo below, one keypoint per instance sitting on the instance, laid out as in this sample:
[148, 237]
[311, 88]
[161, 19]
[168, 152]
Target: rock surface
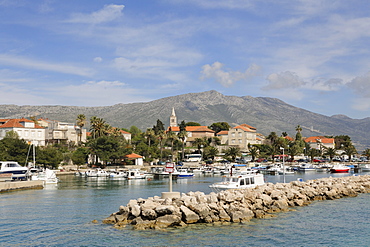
[233, 205]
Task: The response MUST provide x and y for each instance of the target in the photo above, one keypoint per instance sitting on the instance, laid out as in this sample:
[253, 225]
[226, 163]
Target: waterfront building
[25, 128]
[320, 142]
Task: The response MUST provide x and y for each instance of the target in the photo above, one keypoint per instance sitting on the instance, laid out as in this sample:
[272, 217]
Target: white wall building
[25, 128]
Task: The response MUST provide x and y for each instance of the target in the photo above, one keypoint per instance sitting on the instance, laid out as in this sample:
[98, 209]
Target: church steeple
[173, 118]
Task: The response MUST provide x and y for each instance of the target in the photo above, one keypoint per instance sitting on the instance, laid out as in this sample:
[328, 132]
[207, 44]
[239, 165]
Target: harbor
[62, 215]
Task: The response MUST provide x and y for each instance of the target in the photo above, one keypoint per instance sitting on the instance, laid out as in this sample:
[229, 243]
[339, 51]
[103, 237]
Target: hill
[266, 114]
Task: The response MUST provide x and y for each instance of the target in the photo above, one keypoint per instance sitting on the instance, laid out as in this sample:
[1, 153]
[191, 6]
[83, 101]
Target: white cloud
[227, 78]
[333, 84]
[361, 85]
[98, 59]
[107, 14]
[24, 62]
[283, 80]
[216, 4]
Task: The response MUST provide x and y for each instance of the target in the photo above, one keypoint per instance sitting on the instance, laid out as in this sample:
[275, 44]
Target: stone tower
[173, 118]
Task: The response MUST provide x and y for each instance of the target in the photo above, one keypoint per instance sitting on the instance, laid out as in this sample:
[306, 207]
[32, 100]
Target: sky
[312, 54]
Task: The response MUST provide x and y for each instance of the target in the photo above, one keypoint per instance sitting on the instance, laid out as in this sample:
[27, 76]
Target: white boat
[305, 167]
[48, 176]
[249, 180]
[12, 167]
[365, 167]
[96, 173]
[118, 174]
[182, 173]
[136, 174]
[339, 168]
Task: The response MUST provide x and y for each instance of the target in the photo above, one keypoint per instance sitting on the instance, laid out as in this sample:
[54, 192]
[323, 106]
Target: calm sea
[61, 215]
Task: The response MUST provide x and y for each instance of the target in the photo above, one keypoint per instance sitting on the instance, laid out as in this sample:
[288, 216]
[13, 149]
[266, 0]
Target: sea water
[62, 215]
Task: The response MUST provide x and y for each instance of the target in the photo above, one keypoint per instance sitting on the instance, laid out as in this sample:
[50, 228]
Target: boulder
[189, 216]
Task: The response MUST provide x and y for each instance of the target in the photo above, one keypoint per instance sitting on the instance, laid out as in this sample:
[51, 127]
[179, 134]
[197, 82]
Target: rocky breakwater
[234, 205]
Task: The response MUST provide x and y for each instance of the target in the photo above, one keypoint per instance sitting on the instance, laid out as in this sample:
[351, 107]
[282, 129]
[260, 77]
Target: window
[247, 181]
[242, 181]
[232, 134]
[252, 180]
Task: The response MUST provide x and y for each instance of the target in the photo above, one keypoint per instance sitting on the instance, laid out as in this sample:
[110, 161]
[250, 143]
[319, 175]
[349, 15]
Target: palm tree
[366, 152]
[331, 152]
[171, 136]
[253, 151]
[293, 151]
[98, 127]
[182, 136]
[161, 136]
[81, 121]
[210, 152]
[233, 152]
[350, 150]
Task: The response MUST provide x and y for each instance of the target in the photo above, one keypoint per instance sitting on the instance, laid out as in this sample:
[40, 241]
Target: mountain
[266, 114]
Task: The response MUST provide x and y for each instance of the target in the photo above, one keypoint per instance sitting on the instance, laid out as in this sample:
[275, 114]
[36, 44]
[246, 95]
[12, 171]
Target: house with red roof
[320, 142]
[25, 128]
[193, 132]
[241, 136]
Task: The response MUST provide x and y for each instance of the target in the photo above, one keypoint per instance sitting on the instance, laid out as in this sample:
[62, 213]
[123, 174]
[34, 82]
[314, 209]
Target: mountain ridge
[266, 114]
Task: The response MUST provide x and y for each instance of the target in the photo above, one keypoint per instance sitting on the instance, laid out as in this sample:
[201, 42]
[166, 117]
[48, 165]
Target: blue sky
[309, 53]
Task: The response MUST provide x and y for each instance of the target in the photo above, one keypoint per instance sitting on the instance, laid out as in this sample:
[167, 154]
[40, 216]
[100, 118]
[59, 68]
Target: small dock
[20, 185]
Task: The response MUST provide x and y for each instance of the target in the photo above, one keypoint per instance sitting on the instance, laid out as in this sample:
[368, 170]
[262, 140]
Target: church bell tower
[173, 118]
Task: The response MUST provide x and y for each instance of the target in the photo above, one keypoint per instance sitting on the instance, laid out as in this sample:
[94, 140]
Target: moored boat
[48, 176]
[339, 168]
[182, 173]
[249, 180]
[12, 167]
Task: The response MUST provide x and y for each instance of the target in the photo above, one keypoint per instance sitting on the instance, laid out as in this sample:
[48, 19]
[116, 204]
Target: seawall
[20, 185]
[239, 205]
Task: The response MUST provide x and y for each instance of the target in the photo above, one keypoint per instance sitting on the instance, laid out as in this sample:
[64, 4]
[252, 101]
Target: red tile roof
[245, 127]
[191, 129]
[16, 123]
[223, 132]
[133, 156]
[322, 139]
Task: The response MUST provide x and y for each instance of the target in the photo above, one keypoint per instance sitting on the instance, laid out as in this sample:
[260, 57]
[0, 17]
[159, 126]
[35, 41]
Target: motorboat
[96, 173]
[249, 180]
[118, 174]
[12, 167]
[182, 173]
[339, 168]
[365, 167]
[48, 176]
[305, 167]
[136, 174]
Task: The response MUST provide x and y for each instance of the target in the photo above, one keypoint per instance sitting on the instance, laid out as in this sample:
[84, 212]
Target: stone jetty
[238, 205]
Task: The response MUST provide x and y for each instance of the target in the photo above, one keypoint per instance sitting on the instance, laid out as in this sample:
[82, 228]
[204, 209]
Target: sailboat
[46, 175]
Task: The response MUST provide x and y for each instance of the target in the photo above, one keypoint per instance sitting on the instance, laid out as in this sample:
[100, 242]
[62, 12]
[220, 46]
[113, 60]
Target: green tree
[219, 126]
[312, 153]
[159, 127]
[98, 127]
[171, 137]
[192, 124]
[13, 148]
[210, 152]
[366, 152]
[79, 157]
[331, 152]
[350, 151]
[182, 136]
[49, 156]
[232, 152]
[253, 151]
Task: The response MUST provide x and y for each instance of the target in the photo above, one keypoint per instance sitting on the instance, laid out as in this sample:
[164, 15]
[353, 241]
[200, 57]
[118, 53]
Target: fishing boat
[249, 180]
[118, 174]
[12, 167]
[339, 168]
